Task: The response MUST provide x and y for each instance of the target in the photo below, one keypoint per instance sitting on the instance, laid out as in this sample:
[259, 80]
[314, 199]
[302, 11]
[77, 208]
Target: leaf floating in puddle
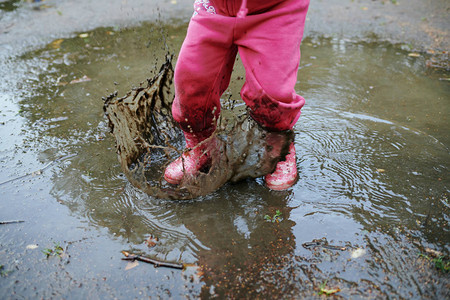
[381, 170]
[433, 252]
[329, 291]
[32, 246]
[358, 253]
[56, 43]
[131, 265]
[152, 241]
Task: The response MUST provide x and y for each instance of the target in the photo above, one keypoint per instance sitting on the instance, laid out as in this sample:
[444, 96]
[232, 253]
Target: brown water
[373, 160]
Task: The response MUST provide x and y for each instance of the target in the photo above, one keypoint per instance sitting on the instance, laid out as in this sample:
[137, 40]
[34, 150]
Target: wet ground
[368, 215]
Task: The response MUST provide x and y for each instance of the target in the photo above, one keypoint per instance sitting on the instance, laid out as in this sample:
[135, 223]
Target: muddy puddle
[368, 216]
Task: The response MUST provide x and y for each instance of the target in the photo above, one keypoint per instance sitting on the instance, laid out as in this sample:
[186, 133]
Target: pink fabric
[269, 46]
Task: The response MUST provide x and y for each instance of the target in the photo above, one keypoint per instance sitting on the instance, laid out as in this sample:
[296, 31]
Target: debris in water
[32, 246]
[358, 253]
[326, 291]
[11, 222]
[323, 243]
[131, 265]
[56, 44]
[151, 241]
[157, 263]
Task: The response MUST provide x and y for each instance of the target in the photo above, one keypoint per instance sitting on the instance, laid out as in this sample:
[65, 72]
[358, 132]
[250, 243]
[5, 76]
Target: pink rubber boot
[190, 161]
[285, 174]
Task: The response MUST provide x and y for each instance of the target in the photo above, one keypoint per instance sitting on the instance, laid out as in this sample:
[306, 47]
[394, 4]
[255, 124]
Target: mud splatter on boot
[191, 161]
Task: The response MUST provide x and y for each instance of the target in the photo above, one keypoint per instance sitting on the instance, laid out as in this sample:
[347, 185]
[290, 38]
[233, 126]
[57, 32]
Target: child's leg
[269, 46]
[202, 74]
[203, 71]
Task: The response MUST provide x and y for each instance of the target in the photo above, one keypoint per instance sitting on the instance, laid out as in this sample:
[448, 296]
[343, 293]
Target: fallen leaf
[56, 43]
[32, 246]
[414, 54]
[433, 252]
[358, 253]
[131, 265]
[364, 8]
[381, 170]
[82, 79]
[330, 291]
[36, 173]
[151, 241]
[84, 35]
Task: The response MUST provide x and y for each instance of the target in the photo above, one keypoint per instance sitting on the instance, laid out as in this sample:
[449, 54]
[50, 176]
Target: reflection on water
[373, 160]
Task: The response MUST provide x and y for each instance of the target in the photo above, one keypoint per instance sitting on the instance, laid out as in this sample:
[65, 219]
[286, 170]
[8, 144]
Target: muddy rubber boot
[190, 162]
[285, 173]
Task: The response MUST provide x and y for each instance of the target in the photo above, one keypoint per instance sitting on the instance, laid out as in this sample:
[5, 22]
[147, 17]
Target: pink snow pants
[269, 46]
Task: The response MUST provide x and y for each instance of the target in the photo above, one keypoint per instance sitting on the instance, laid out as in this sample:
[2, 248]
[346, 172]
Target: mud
[143, 127]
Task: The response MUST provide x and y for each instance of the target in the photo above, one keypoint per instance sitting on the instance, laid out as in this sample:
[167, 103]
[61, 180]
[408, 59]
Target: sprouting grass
[56, 250]
[276, 217]
[3, 272]
[441, 262]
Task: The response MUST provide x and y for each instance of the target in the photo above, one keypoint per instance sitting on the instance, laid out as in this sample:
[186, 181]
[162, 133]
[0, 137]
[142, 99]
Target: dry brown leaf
[131, 265]
[56, 43]
[433, 252]
[152, 241]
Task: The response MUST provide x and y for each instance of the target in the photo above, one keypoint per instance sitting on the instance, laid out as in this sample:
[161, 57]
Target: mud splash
[145, 134]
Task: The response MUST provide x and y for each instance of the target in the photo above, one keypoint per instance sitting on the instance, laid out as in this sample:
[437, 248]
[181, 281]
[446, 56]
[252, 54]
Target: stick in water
[11, 222]
[157, 263]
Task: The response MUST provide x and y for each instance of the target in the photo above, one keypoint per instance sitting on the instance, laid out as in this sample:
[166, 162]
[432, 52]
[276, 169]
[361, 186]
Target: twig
[11, 222]
[323, 245]
[157, 263]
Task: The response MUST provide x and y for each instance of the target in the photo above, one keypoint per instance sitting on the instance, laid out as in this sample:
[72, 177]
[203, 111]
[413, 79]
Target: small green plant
[3, 272]
[57, 250]
[440, 262]
[326, 291]
[276, 217]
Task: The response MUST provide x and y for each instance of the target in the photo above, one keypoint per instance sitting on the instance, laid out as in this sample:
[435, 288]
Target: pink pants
[268, 40]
